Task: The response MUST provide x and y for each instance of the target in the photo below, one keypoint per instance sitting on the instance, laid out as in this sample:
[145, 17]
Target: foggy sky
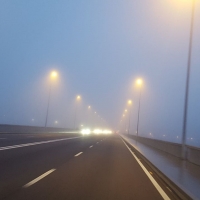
[99, 48]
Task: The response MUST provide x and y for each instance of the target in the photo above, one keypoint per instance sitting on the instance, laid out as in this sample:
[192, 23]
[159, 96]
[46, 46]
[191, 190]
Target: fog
[99, 49]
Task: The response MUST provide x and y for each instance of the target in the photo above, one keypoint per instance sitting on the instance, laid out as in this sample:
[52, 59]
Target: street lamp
[129, 103]
[78, 98]
[89, 108]
[187, 83]
[95, 119]
[139, 83]
[127, 125]
[53, 76]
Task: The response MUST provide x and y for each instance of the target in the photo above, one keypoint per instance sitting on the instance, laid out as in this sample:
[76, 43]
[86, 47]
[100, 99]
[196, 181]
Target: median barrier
[4, 128]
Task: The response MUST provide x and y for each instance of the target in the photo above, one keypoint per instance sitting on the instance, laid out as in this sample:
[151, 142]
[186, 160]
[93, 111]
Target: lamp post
[129, 103]
[139, 84]
[53, 76]
[127, 121]
[187, 83]
[78, 98]
[94, 120]
[89, 108]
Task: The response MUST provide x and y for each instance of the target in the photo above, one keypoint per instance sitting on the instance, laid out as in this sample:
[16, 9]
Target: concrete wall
[31, 129]
[193, 153]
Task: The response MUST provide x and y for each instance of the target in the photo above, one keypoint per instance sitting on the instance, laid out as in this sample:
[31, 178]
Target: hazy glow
[181, 5]
[78, 97]
[129, 102]
[107, 132]
[85, 131]
[139, 81]
[104, 72]
[100, 131]
[89, 107]
[97, 131]
[54, 74]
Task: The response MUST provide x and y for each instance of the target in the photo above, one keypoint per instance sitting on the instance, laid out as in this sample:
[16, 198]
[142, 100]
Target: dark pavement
[106, 169]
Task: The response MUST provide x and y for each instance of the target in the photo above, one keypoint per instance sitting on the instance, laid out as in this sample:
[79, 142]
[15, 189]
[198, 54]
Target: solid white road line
[35, 143]
[91, 146]
[160, 190]
[78, 154]
[38, 178]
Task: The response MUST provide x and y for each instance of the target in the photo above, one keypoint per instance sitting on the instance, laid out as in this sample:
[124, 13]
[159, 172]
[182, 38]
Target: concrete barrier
[4, 128]
[193, 153]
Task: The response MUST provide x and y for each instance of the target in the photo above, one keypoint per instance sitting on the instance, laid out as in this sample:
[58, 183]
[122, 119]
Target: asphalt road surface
[70, 166]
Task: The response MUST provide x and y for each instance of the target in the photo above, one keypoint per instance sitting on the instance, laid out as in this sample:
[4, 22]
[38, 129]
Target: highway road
[71, 166]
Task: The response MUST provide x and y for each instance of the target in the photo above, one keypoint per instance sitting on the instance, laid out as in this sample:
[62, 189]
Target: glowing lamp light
[129, 102]
[139, 81]
[78, 97]
[54, 74]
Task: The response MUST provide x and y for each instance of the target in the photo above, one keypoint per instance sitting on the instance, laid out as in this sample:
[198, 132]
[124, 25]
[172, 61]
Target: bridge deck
[183, 173]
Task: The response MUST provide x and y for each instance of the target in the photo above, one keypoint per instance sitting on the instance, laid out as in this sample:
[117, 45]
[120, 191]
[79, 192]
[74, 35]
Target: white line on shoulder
[160, 190]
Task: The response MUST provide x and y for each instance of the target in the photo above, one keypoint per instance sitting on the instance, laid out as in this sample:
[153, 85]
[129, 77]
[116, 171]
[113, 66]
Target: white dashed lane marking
[38, 178]
[78, 154]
